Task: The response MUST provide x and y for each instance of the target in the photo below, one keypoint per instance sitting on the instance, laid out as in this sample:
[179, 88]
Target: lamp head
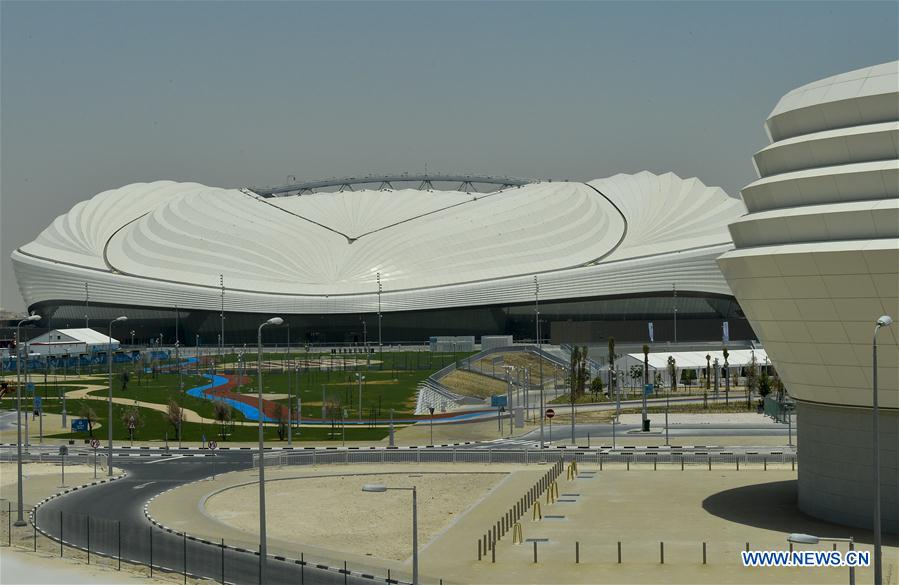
[884, 321]
[122, 318]
[275, 321]
[32, 318]
[374, 487]
[803, 538]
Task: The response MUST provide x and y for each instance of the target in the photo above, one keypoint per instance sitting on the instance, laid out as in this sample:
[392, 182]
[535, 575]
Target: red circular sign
[95, 443]
[213, 445]
[550, 413]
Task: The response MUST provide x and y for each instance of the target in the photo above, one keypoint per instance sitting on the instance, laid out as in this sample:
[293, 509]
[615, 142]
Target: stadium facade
[609, 253]
[816, 263]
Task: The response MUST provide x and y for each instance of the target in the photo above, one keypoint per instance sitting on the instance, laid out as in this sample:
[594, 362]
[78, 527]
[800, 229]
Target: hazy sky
[98, 95]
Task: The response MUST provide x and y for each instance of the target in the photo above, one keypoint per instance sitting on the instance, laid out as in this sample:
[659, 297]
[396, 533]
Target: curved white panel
[320, 253]
[817, 258]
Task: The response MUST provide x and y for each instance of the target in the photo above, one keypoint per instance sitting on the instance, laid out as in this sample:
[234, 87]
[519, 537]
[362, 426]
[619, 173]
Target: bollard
[703, 553]
[793, 464]
[619, 552]
[60, 533]
[765, 461]
[88, 540]
[119, 530]
[223, 561]
[479, 549]
[747, 547]
[577, 552]
[710, 462]
[303, 570]
[600, 461]
[738, 463]
[535, 551]
[493, 552]
[791, 547]
[151, 551]
[661, 553]
[184, 566]
[628, 460]
[681, 462]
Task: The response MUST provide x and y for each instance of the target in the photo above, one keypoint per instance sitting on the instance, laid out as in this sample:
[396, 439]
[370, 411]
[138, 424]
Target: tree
[708, 371]
[578, 374]
[752, 380]
[611, 366]
[88, 413]
[636, 373]
[222, 415]
[596, 387]
[281, 420]
[175, 417]
[672, 372]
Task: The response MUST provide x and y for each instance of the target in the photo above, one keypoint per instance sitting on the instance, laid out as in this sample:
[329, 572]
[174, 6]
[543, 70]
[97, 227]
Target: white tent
[71, 341]
[696, 359]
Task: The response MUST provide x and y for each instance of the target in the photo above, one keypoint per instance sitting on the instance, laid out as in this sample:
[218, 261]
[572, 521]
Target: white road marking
[172, 458]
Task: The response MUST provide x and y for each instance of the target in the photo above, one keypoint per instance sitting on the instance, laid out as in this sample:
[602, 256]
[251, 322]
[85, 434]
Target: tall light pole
[539, 351]
[373, 487]
[883, 321]
[109, 419]
[674, 288]
[222, 318]
[380, 355]
[359, 378]
[20, 520]
[262, 537]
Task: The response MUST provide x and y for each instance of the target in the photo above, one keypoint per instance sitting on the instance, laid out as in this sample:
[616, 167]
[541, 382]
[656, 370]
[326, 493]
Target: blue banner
[497, 400]
[79, 425]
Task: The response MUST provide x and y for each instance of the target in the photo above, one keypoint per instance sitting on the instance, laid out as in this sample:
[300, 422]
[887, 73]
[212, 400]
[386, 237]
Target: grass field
[474, 384]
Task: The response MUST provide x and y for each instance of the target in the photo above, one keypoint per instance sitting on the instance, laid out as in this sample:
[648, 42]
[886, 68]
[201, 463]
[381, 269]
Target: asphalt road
[117, 520]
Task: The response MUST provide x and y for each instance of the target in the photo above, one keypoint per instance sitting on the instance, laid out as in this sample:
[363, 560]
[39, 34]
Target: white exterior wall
[817, 257]
[165, 244]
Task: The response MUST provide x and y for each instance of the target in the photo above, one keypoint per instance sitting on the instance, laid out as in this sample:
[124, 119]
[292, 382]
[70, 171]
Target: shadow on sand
[774, 506]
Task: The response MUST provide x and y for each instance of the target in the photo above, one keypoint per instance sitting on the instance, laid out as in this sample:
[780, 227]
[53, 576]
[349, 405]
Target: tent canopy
[696, 359]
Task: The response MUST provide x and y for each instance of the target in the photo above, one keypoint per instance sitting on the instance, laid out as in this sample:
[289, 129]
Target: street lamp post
[811, 539]
[109, 419]
[377, 488]
[262, 536]
[883, 321]
[20, 519]
[359, 378]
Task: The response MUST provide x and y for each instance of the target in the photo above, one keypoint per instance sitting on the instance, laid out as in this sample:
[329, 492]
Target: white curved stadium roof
[166, 244]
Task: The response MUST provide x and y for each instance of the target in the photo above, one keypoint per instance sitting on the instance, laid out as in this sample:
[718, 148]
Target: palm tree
[611, 365]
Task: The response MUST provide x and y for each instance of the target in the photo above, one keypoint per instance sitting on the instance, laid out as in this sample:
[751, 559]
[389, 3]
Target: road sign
[95, 443]
[550, 413]
[497, 400]
[647, 389]
[63, 450]
[213, 445]
[131, 422]
[79, 425]
[37, 403]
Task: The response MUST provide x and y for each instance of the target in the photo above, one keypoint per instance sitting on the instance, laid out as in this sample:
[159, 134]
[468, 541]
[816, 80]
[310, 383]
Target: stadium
[359, 260]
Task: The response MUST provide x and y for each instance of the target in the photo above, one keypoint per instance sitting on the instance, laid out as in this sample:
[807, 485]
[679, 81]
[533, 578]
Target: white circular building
[816, 263]
[430, 262]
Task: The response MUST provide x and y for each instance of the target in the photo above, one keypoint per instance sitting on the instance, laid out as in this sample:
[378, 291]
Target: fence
[621, 458]
[148, 550]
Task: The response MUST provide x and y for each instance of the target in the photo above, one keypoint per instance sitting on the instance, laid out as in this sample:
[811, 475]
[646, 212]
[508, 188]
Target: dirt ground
[334, 513]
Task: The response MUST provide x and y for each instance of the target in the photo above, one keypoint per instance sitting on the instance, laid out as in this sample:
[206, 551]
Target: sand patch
[332, 512]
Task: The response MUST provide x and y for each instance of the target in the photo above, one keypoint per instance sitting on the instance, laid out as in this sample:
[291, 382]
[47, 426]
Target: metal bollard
[703, 553]
[577, 552]
[681, 462]
[661, 553]
[765, 461]
[479, 549]
[628, 460]
[655, 464]
[747, 547]
[619, 552]
[493, 552]
[535, 551]
[738, 463]
[710, 462]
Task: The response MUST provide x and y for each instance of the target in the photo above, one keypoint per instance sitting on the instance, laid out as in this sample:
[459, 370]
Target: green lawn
[154, 427]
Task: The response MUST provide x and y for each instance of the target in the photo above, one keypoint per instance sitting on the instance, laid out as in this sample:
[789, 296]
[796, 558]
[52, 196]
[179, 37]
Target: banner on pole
[725, 332]
[651, 333]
